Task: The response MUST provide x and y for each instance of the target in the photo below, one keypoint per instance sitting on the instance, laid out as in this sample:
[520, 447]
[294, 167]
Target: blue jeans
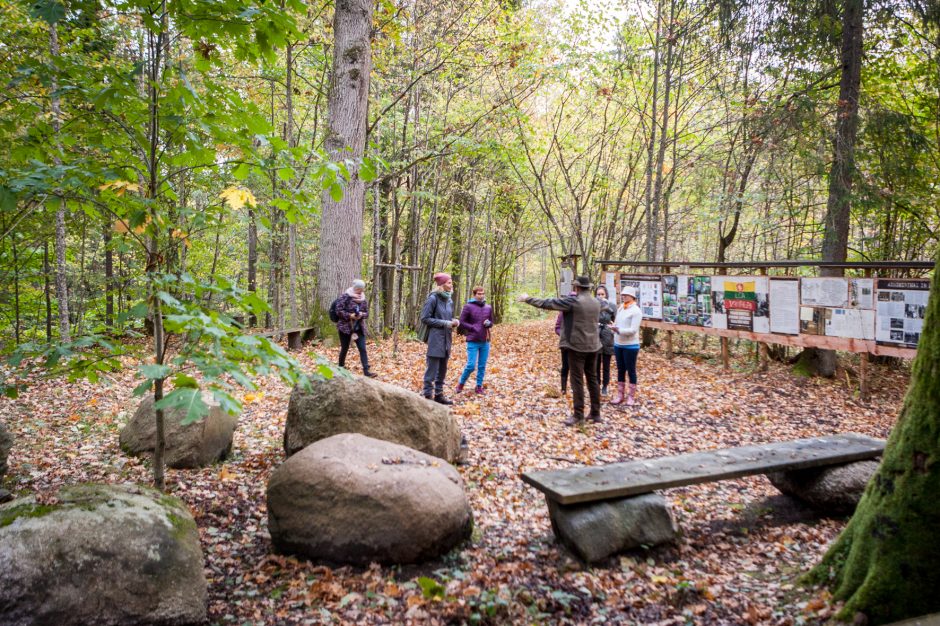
[626, 362]
[477, 354]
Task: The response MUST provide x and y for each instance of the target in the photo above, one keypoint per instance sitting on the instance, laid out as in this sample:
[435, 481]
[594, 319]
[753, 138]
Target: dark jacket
[607, 316]
[579, 326]
[345, 307]
[472, 316]
[437, 314]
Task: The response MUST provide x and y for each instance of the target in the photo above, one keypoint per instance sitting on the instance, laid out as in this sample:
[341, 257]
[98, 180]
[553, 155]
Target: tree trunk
[252, 262]
[341, 222]
[884, 564]
[108, 278]
[61, 281]
[651, 220]
[838, 206]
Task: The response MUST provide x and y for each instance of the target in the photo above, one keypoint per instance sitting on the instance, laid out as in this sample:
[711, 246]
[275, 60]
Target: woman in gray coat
[438, 316]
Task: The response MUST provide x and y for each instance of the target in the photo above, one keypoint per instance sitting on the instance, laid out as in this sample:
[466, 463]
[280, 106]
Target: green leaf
[143, 388]
[185, 380]
[154, 371]
[49, 11]
[241, 171]
[336, 192]
[188, 400]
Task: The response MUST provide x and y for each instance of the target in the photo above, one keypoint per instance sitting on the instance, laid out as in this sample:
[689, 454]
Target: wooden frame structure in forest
[864, 347]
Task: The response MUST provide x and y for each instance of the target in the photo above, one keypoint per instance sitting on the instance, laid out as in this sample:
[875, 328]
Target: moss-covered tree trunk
[886, 563]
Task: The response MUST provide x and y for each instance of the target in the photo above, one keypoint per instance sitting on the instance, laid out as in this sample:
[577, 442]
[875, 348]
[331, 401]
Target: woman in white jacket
[626, 329]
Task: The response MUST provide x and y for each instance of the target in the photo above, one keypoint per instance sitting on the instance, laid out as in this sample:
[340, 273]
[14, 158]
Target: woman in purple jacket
[352, 309]
[476, 319]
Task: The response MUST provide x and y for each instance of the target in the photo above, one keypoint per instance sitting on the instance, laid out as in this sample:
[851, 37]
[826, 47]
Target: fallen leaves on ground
[742, 546]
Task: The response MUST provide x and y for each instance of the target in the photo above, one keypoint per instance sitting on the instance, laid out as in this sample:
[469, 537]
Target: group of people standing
[591, 332]
[437, 315]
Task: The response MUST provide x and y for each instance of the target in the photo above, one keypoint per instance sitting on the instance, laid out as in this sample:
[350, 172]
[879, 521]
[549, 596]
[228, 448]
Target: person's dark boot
[596, 419]
[369, 374]
[442, 400]
[574, 420]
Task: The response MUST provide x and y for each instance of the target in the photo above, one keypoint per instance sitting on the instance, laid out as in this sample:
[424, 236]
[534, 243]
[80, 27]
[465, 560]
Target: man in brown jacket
[579, 335]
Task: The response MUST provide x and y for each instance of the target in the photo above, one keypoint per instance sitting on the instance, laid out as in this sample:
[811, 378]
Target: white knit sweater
[628, 326]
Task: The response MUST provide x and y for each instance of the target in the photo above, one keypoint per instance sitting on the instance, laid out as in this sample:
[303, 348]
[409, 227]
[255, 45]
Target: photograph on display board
[812, 320]
[900, 308]
[695, 301]
[671, 299]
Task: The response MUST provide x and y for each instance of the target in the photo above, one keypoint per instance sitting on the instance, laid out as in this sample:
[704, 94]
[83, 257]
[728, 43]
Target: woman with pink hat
[626, 329]
[438, 315]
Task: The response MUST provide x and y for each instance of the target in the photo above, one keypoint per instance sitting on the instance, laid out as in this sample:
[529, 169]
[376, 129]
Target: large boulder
[6, 442]
[345, 404]
[596, 530]
[833, 490]
[195, 445]
[353, 499]
[100, 554]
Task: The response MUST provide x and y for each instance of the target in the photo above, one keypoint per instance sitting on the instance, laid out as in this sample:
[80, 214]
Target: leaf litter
[742, 545]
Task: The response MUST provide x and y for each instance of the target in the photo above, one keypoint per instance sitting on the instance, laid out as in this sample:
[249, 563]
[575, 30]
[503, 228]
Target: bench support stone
[596, 530]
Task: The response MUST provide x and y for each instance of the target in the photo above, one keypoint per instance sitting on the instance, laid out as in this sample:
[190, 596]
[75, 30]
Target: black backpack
[334, 317]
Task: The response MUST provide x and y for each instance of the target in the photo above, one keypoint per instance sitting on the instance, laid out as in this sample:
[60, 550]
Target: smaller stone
[833, 490]
[5, 496]
[196, 445]
[596, 530]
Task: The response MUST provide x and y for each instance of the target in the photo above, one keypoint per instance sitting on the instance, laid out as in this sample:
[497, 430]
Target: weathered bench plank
[617, 480]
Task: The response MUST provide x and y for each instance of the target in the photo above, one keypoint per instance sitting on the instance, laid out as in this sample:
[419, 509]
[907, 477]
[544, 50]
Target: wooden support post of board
[725, 358]
[669, 353]
[863, 378]
[762, 347]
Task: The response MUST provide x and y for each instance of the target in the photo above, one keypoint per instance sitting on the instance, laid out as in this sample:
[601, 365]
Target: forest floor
[742, 545]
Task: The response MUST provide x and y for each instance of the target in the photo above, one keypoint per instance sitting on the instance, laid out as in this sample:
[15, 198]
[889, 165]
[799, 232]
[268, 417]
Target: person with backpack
[580, 336]
[476, 319]
[349, 312]
[437, 316]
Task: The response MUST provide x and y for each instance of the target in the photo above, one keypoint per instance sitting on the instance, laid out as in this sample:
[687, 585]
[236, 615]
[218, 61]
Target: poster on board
[901, 305]
[784, 295]
[649, 291]
[850, 323]
[862, 293]
[741, 303]
[613, 294]
[695, 301]
[826, 291]
[671, 298]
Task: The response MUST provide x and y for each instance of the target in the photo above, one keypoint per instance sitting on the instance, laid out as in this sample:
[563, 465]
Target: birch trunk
[61, 281]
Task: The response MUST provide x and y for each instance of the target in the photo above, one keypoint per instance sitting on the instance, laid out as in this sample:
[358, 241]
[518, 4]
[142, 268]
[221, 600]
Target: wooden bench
[294, 336]
[590, 499]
